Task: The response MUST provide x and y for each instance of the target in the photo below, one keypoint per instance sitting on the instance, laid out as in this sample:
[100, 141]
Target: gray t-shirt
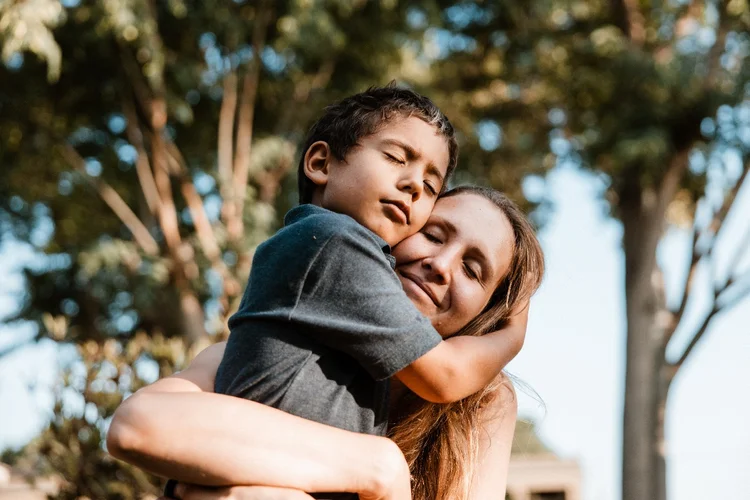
[323, 323]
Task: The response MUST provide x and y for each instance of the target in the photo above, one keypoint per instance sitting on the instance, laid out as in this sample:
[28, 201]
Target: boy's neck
[317, 199]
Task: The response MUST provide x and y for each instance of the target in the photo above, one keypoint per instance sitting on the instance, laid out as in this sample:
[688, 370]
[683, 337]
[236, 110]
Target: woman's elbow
[128, 434]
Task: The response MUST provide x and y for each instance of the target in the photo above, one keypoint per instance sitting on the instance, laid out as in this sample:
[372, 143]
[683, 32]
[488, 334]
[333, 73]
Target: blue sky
[573, 357]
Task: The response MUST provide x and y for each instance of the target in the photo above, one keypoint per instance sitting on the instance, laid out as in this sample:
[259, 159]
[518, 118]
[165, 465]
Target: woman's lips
[419, 285]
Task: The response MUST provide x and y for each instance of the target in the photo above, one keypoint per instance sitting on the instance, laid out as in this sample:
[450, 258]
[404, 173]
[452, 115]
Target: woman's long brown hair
[441, 441]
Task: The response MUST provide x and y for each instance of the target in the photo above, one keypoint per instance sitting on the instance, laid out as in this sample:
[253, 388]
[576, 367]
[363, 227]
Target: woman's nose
[439, 269]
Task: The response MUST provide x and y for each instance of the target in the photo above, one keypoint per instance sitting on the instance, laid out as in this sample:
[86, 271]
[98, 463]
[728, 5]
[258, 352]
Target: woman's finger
[266, 493]
[193, 492]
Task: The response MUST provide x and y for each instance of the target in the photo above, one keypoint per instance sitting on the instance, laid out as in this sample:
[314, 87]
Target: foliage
[160, 138]
[159, 146]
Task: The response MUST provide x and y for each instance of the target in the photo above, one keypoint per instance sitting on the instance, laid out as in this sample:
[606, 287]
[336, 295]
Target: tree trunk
[666, 375]
[638, 467]
[192, 317]
[644, 298]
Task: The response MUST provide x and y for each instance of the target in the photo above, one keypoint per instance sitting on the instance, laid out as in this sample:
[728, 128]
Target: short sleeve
[354, 302]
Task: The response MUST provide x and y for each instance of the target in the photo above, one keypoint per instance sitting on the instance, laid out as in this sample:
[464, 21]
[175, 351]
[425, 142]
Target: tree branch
[155, 109]
[12, 348]
[167, 212]
[734, 261]
[695, 257]
[269, 180]
[225, 146]
[115, 202]
[719, 305]
[142, 165]
[696, 338]
[630, 20]
[714, 55]
[205, 232]
[673, 177]
[203, 229]
[302, 91]
[720, 215]
[714, 227]
[245, 118]
[138, 83]
[200, 220]
[737, 296]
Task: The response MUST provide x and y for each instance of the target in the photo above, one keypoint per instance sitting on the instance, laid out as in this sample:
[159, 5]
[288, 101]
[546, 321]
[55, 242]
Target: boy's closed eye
[393, 158]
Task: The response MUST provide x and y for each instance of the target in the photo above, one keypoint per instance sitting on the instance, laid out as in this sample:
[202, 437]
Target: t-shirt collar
[307, 209]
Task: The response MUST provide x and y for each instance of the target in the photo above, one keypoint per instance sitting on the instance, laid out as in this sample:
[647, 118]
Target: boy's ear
[316, 164]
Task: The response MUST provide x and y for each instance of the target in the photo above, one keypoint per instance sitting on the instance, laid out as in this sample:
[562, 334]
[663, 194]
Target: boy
[324, 321]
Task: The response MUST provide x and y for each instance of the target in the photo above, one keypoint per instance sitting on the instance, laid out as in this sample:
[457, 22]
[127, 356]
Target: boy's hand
[516, 328]
[462, 365]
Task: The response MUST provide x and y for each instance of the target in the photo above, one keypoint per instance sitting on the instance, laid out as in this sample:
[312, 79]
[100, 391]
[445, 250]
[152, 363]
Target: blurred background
[147, 147]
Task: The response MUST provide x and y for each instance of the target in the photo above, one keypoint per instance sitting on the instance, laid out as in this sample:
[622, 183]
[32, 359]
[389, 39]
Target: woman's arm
[489, 482]
[175, 429]
[495, 441]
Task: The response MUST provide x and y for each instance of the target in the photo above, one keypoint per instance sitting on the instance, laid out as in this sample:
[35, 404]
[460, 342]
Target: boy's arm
[354, 302]
[461, 366]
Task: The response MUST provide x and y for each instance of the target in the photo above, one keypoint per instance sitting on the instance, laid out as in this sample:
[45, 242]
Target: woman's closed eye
[430, 189]
[432, 237]
[472, 271]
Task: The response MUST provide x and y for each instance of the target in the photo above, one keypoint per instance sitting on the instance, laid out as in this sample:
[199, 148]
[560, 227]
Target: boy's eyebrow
[412, 154]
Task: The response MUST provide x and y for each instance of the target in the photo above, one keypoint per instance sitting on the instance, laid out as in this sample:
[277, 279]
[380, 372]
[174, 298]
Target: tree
[146, 150]
[654, 98]
[162, 110]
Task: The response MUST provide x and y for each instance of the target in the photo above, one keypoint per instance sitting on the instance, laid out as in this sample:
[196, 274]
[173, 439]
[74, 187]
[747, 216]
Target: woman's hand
[193, 492]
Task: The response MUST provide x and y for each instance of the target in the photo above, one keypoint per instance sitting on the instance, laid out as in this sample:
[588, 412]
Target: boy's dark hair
[346, 122]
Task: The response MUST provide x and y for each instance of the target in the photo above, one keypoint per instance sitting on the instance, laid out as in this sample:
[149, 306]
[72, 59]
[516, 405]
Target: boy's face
[389, 182]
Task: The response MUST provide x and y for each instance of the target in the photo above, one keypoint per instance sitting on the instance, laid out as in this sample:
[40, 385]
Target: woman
[479, 253]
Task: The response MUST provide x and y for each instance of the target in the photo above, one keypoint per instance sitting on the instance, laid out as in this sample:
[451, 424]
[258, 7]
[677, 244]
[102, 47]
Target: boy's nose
[412, 185]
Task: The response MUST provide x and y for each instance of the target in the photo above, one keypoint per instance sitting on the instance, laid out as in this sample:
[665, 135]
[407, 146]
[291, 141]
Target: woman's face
[451, 268]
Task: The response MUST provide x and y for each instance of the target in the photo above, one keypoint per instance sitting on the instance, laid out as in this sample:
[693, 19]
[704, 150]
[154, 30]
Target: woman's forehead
[467, 208]
[480, 223]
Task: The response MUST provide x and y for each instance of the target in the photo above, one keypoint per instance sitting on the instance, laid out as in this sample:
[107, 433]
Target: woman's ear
[316, 163]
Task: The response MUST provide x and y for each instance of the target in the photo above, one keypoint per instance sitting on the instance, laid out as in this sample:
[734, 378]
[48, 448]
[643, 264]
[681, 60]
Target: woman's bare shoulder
[500, 401]
[497, 427]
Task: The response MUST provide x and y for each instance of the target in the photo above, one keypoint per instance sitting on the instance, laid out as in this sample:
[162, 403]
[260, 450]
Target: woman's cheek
[470, 301]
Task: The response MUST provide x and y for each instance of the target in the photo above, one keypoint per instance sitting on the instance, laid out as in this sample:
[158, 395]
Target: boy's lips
[400, 209]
